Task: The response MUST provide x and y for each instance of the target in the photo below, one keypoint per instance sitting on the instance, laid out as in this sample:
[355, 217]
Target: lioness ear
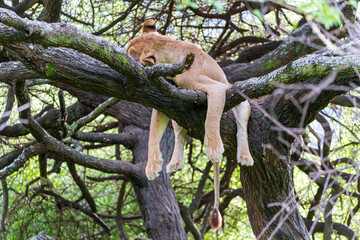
[149, 60]
[148, 26]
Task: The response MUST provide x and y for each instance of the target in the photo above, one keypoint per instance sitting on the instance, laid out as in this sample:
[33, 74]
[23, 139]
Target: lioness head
[141, 49]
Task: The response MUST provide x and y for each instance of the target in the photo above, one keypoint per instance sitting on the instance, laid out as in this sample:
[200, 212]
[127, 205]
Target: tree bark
[157, 200]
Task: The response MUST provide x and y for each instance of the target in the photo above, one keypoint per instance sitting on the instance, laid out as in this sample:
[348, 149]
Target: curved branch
[312, 66]
[338, 227]
[24, 5]
[347, 101]
[189, 224]
[63, 35]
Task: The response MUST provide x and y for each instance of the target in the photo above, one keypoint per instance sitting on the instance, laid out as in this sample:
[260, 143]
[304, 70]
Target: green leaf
[326, 14]
[193, 5]
[258, 14]
[218, 5]
[353, 3]
[180, 6]
[185, 4]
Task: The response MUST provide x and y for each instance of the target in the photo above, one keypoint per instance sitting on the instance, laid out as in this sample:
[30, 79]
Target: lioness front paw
[154, 165]
[214, 147]
[152, 170]
[245, 160]
[174, 166]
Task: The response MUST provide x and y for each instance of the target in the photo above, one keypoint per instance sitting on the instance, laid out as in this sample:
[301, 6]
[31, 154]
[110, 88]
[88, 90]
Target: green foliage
[353, 3]
[325, 14]
[272, 64]
[258, 14]
[50, 70]
[185, 4]
[188, 3]
[217, 4]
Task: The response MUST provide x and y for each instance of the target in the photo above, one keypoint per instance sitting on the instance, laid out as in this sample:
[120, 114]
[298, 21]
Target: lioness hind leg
[177, 159]
[158, 125]
[214, 147]
[242, 114]
[216, 94]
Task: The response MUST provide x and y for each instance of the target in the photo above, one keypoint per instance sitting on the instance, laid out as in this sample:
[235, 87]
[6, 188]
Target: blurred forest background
[248, 39]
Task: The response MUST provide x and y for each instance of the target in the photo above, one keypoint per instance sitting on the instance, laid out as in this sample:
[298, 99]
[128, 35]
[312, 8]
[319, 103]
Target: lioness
[205, 74]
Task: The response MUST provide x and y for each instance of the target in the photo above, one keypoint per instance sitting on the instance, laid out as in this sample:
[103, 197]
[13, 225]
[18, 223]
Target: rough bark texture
[157, 200]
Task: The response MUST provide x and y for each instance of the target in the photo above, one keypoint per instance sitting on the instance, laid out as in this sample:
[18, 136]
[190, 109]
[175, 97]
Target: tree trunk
[268, 185]
[157, 199]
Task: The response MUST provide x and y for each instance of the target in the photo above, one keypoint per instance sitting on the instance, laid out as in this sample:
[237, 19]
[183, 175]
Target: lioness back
[171, 51]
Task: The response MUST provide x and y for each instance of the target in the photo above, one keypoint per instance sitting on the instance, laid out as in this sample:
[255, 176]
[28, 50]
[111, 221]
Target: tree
[289, 81]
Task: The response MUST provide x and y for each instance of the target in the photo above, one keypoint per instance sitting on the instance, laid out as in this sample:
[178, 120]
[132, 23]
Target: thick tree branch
[300, 70]
[11, 72]
[51, 11]
[62, 35]
[128, 139]
[25, 5]
[312, 66]
[251, 88]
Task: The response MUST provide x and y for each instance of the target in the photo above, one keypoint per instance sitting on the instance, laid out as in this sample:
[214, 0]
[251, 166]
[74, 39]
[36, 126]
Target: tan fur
[205, 74]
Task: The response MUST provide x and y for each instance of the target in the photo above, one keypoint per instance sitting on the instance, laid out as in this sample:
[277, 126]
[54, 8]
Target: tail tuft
[215, 219]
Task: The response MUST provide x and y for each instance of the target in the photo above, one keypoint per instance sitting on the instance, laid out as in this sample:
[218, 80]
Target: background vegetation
[325, 166]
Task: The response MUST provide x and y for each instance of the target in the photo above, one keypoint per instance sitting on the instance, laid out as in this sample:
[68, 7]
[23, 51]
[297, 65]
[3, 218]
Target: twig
[8, 108]
[119, 217]
[80, 183]
[77, 206]
[64, 114]
[5, 204]
[91, 116]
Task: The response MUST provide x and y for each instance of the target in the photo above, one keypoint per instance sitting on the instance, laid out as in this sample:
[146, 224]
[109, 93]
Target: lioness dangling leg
[158, 125]
[177, 159]
[216, 94]
[242, 114]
